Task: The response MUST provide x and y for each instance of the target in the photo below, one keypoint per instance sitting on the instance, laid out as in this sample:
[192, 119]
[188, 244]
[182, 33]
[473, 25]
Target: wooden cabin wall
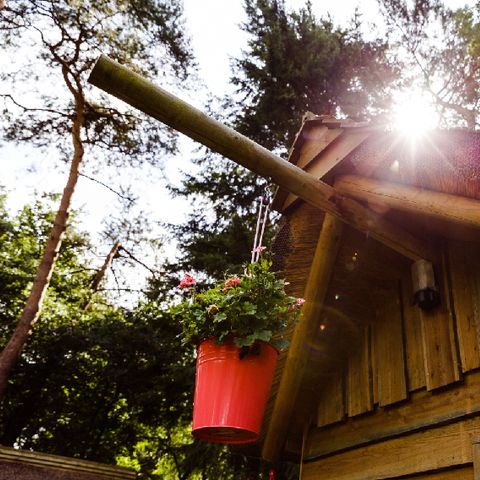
[407, 399]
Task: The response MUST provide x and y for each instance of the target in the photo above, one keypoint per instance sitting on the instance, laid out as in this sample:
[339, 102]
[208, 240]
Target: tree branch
[151, 270]
[123, 197]
[29, 109]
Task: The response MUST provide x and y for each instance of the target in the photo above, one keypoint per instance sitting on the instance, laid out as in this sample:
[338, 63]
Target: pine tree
[64, 39]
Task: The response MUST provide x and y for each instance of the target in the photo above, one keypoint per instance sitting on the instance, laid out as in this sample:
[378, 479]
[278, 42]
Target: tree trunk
[11, 353]
[97, 281]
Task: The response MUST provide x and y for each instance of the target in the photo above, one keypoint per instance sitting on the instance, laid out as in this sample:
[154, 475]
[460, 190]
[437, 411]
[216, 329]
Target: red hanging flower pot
[231, 391]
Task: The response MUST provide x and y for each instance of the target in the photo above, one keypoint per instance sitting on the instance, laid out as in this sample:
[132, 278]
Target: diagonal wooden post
[156, 102]
[297, 357]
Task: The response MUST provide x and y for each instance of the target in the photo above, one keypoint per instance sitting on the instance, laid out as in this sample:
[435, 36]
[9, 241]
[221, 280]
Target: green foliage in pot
[246, 308]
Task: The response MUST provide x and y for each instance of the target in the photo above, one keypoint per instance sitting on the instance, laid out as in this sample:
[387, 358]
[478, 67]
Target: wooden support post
[156, 102]
[297, 358]
[452, 208]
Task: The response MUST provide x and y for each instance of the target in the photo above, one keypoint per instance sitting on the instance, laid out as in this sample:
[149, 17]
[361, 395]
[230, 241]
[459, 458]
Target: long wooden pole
[297, 356]
[156, 102]
[452, 208]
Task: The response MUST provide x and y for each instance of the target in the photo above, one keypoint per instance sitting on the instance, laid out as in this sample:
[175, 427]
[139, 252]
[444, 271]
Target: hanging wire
[263, 209]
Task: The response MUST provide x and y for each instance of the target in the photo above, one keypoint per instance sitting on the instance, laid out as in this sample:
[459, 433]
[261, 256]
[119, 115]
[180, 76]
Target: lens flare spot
[414, 114]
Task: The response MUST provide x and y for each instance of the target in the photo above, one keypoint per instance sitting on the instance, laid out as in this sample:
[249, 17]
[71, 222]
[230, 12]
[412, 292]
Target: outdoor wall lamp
[425, 292]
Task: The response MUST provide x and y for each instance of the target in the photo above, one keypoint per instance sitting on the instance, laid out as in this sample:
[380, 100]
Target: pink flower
[286, 283]
[259, 249]
[232, 282]
[187, 281]
[300, 301]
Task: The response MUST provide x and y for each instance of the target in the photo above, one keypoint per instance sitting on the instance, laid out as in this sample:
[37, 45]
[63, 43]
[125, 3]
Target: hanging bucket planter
[231, 392]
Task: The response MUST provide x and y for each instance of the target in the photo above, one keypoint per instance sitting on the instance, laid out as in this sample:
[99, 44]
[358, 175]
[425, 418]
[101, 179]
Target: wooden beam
[156, 102]
[443, 206]
[426, 451]
[461, 473]
[297, 356]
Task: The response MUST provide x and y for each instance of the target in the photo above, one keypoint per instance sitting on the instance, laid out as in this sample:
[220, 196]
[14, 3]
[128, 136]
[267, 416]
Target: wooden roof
[28, 465]
[321, 143]
[441, 161]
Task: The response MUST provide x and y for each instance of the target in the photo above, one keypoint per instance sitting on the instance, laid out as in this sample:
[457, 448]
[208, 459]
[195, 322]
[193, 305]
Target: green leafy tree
[108, 384]
[97, 383]
[61, 41]
[297, 63]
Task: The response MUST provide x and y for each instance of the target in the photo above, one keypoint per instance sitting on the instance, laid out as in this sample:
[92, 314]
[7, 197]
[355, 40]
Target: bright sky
[214, 27]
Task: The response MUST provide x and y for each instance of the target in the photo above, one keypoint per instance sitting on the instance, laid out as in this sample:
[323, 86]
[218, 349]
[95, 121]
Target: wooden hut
[374, 386]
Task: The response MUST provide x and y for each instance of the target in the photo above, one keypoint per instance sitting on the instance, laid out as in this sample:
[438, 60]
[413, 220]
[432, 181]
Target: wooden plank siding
[333, 410]
[462, 473]
[413, 336]
[441, 360]
[464, 266]
[359, 380]
[368, 367]
[411, 349]
[424, 381]
[389, 362]
[423, 410]
[476, 458]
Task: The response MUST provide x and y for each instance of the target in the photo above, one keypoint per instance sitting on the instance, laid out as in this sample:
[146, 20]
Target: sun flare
[414, 115]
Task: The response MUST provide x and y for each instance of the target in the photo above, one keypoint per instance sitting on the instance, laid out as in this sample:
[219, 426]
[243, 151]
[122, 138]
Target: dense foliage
[297, 63]
[103, 383]
[60, 42]
[64, 40]
[245, 308]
